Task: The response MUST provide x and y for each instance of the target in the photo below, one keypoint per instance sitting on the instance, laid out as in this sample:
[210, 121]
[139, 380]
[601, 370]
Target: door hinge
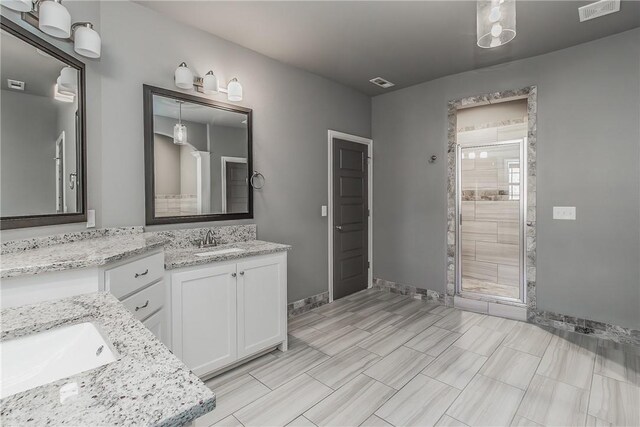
[368, 212]
[368, 264]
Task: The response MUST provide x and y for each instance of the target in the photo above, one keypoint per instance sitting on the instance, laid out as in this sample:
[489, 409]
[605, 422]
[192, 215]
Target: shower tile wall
[490, 217]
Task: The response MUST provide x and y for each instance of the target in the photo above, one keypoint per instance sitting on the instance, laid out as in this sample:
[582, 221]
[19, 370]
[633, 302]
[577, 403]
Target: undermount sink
[220, 252]
[44, 357]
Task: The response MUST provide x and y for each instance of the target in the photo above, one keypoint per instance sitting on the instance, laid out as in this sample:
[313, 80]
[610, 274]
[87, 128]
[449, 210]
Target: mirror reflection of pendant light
[54, 19]
[179, 130]
[496, 22]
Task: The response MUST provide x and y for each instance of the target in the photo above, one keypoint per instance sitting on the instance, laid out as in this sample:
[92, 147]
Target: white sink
[220, 252]
[41, 358]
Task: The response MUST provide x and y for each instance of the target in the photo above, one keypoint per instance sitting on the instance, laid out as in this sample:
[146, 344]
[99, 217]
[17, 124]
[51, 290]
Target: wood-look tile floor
[381, 359]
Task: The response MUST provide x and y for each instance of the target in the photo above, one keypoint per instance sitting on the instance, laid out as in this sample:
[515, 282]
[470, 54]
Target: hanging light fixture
[496, 22]
[179, 130]
[54, 19]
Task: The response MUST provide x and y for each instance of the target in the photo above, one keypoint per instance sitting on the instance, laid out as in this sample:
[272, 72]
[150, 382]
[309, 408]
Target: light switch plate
[564, 212]
[91, 218]
[324, 210]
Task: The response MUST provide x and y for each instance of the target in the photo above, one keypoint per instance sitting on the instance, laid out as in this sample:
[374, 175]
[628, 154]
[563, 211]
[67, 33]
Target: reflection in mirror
[40, 137]
[200, 159]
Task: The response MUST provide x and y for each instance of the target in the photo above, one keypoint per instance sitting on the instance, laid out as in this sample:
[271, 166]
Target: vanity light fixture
[52, 18]
[179, 130]
[62, 96]
[496, 22]
[185, 79]
[68, 81]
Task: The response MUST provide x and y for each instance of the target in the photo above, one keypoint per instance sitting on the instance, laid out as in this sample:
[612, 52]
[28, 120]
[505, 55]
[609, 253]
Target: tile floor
[380, 359]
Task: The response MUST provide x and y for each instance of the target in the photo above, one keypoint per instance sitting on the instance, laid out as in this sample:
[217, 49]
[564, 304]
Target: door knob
[339, 227]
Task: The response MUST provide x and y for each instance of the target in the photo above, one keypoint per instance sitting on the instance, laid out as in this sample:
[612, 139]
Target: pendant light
[496, 22]
[179, 130]
[54, 19]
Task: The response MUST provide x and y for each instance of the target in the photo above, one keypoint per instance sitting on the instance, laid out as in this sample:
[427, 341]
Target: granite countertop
[186, 257]
[79, 254]
[147, 385]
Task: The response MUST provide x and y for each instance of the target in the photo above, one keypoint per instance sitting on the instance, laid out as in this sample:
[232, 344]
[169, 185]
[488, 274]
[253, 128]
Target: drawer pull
[242, 273]
[142, 274]
[142, 306]
[233, 274]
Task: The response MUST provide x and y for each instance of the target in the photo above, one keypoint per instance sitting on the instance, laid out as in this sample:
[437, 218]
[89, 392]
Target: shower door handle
[339, 227]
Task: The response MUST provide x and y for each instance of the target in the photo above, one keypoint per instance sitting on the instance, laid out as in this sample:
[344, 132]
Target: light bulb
[495, 42]
[483, 154]
[495, 14]
[472, 155]
[496, 29]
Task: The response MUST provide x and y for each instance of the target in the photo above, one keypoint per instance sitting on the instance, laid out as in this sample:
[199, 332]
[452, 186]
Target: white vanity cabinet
[228, 311]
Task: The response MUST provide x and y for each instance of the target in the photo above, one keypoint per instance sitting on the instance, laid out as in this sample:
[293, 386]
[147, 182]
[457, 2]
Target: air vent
[598, 9]
[379, 81]
[15, 84]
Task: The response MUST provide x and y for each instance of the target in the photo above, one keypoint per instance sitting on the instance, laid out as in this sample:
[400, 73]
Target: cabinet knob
[233, 274]
[242, 273]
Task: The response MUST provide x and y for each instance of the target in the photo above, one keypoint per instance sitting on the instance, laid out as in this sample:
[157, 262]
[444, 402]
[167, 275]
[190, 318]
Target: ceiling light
[483, 154]
[472, 155]
[86, 40]
[496, 22]
[179, 130]
[383, 83]
[54, 19]
[18, 5]
[234, 91]
[184, 77]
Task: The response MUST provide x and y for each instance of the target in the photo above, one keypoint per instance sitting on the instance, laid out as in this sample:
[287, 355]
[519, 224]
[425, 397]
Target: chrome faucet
[208, 240]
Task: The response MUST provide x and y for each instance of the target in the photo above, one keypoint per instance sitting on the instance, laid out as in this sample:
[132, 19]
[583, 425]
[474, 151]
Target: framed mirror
[42, 137]
[198, 158]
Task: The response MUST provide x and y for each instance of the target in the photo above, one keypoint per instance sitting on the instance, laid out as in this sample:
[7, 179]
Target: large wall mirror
[197, 158]
[42, 143]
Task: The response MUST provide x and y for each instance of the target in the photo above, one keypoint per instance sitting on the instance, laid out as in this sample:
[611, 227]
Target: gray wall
[292, 111]
[28, 148]
[167, 165]
[588, 153]
[196, 132]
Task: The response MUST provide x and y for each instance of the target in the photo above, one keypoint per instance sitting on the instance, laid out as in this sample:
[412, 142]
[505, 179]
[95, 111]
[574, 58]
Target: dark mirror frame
[81, 141]
[149, 170]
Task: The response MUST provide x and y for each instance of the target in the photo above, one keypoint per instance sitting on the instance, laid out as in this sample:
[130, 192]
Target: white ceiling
[406, 42]
[196, 113]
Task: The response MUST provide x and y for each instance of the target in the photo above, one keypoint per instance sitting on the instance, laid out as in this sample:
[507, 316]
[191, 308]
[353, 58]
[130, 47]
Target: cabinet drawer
[147, 301]
[128, 278]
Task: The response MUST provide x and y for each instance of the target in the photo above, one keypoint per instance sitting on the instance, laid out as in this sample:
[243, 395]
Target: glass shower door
[491, 220]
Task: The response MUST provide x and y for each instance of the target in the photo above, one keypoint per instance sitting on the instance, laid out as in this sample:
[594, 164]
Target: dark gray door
[237, 192]
[350, 217]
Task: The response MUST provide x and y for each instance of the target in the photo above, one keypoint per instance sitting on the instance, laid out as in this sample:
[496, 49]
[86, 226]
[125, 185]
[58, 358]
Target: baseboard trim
[412, 291]
[299, 307]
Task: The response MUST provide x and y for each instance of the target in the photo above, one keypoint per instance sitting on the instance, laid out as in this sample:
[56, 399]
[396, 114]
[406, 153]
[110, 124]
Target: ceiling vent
[598, 9]
[15, 84]
[379, 81]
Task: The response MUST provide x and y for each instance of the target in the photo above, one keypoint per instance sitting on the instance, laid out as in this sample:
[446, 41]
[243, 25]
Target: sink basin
[41, 358]
[220, 252]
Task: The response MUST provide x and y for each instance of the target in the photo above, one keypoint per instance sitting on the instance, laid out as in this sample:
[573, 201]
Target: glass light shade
[61, 89]
[179, 134]
[210, 83]
[68, 80]
[61, 96]
[496, 22]
[18, 5]
[184, 77]
[87, 41]
[54, 19]
[234, 91]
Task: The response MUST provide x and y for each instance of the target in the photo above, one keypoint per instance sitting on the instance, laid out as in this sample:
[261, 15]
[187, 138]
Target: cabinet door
[262, 303]
[155, 323]
[204, 317]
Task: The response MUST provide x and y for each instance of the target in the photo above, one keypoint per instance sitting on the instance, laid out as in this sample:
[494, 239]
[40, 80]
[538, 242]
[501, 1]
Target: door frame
[224, 160]
[369, 143]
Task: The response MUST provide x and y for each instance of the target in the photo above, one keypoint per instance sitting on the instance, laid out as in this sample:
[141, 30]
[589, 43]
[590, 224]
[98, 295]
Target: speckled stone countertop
[186, 256]
[78, 254]
[146, 386]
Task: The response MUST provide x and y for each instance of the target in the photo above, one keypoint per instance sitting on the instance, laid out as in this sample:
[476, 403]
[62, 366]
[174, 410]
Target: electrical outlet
[91, 218]
[324, 211]
[564, 212]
